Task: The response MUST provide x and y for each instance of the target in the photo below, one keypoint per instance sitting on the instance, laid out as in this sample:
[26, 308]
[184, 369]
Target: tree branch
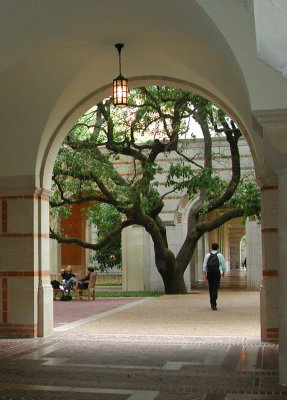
[93, 246]
[217, 222]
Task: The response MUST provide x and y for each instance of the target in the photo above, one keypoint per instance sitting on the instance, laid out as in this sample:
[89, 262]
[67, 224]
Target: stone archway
[45, 74]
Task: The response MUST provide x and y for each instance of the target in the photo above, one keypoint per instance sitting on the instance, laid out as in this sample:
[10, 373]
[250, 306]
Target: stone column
[274, 230]
[254, 255]
[133, 258]
[269, 302]
[26, 299]
[199, 276]
[282, 239]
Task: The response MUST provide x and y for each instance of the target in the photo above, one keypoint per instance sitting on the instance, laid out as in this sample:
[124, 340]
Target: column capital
[282, 172]
[43, 192]
[271, 117]
[21, 185]
[265, 177]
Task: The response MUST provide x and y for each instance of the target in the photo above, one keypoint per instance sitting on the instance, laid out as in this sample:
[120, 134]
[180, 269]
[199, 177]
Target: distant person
[82, 283]
[66, 275]
[214, 268]
[244, 264]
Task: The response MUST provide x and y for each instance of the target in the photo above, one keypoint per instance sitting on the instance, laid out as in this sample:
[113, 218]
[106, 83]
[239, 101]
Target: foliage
[129, 294]
[247, 197]
[105, 218]
[108, 283]
[183, 177]
[111, 160]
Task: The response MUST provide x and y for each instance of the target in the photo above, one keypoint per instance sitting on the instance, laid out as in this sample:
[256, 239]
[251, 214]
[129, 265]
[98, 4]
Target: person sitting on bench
[82, 283]
[66, 275]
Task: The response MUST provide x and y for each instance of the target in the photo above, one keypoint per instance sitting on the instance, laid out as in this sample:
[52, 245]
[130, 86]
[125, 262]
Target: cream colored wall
[254, 255]
[138, 263]
[133, 253]
[24, 266]
[72, 74]
[52, 78]
[236, 24]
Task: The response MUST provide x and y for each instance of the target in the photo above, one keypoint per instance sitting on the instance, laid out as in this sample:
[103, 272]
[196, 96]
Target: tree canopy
[156, 124]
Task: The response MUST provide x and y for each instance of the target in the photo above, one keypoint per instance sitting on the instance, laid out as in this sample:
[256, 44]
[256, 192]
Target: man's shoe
[214, 308]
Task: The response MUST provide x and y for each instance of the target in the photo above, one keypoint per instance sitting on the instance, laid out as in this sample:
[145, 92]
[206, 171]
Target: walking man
[214, 268]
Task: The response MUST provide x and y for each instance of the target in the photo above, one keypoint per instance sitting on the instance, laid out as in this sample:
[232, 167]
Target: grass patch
[111, 293]
[109, 283]
[129, 294]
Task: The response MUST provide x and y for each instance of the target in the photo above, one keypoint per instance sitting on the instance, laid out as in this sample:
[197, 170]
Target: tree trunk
[171, 273]
[174, 284]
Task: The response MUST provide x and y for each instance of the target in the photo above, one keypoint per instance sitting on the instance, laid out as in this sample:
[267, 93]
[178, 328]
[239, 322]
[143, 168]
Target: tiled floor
[79, 362]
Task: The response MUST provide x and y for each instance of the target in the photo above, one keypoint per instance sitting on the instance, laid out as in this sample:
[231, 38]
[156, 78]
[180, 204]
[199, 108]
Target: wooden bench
[90, 291]
[56, 292]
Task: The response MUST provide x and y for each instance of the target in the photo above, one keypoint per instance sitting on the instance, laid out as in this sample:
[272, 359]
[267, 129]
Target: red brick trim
[18, 331]
[121, 163]
[271, 272]
[32, 235]
[272, 330]
[272, 334]
[25, 196]
[17, 274]
[4, 222]
[269, 230]
[4, 216]
[4, 301]
[263, 188]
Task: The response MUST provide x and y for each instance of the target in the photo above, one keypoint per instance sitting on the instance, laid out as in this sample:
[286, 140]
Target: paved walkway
[188, 315]
[172, 347]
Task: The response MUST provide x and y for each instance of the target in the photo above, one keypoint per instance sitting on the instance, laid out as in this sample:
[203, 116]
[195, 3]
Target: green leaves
[105, 218]
[183, 176]
[247, 197]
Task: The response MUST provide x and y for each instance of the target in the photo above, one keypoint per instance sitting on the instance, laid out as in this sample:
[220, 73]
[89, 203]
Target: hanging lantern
[120, 84]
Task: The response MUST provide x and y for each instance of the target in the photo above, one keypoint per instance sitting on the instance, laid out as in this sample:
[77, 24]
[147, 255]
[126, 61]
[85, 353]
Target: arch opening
[165, 221]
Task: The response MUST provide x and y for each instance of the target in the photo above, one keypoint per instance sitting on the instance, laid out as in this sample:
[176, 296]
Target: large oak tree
[153, 125]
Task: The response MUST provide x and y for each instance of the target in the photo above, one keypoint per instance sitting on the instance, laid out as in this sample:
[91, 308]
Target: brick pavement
[99, 359]
[71, 311]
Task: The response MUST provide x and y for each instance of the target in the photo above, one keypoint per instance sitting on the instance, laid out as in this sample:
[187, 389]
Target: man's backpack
[212, 263]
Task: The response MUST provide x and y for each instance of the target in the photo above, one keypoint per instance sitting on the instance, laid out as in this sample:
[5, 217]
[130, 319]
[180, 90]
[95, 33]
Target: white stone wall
[133, 253]
[138, 262]
[253, 255]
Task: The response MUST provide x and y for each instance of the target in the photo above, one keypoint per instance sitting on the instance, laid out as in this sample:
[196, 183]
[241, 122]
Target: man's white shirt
[221, 259]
